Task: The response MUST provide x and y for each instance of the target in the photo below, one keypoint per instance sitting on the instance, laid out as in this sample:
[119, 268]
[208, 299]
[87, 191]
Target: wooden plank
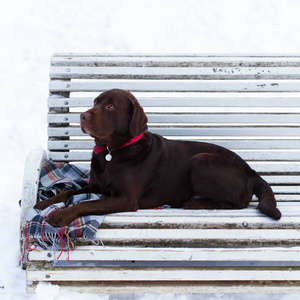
[222, 131]
[203, 237]
[252, 143]
[177, 85]
[201, 119]
[290, 189]
[179, 61]
[255, 155]
[263, 254]
[288, 209]
[271, 131]
[159, 274]
[268, 101]
[174, 73]
[254, 222]
[275, 167]
[262, 119]
[174, 287]
[222, 110]
[234, 144]
[269, 155]
[33, 166]
[244, 55]
[282, 179]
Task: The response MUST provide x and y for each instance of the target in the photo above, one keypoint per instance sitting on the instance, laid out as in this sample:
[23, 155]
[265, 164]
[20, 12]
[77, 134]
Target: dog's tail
[266, 198]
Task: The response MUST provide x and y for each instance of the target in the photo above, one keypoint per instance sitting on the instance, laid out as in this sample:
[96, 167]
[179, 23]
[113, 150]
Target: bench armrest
[34, 162]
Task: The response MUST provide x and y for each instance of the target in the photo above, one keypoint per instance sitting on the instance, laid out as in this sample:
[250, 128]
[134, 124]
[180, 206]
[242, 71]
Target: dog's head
[115, 113]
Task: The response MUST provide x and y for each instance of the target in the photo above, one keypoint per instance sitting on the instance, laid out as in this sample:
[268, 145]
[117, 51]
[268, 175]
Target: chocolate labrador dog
[137, 169]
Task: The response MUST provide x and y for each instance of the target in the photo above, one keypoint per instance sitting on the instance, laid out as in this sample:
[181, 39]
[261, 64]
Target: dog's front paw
[61, 197]
[43, 204]
[61, 218]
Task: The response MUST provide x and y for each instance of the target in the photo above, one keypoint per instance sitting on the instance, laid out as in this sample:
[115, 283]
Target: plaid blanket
[54, 178]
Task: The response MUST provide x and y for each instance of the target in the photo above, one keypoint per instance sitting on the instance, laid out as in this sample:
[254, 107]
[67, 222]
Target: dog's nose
[84, 117]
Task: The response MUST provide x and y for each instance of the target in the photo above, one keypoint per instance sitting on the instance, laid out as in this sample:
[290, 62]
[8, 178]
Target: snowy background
[32, 30]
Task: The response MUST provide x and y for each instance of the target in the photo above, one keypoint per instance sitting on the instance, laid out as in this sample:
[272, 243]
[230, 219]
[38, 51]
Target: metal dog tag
[108, 157]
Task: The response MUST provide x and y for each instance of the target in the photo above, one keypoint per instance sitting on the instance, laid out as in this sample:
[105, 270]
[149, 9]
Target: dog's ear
[138, 121]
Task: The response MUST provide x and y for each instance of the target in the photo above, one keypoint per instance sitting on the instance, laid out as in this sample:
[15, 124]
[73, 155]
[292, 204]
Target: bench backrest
[249, 104]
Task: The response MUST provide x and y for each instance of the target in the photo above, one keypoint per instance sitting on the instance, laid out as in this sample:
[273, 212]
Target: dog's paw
[61, 218]
[61, 197]
[43, 204]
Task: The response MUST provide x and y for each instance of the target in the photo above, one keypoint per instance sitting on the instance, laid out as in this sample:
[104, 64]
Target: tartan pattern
[56, 177]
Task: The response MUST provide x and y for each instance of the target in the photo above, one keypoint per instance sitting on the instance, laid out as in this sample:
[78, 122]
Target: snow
[32, 30]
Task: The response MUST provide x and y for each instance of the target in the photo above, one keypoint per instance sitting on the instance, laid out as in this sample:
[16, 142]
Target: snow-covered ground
[32, 30]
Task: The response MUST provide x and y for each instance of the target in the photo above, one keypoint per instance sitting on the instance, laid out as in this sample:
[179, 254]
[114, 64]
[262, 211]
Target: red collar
[98, 149]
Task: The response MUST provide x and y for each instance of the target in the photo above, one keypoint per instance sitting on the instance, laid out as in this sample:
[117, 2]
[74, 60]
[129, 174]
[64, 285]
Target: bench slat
[289, 209]
[255, 155]
[194, 130]
[198, 237]
[105, 54]
[200, 222]
[177, 85]
[263, 254]
[174, 73]
[176, 61]
[220, 119]
[248, 144]
[160, 274]
[175, 287]
[257, 102]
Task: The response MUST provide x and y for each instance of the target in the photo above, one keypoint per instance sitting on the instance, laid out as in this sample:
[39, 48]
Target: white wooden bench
[248, 103]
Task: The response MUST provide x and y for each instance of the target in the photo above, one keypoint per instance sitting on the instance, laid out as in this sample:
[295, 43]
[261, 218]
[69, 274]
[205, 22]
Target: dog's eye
[110, 106]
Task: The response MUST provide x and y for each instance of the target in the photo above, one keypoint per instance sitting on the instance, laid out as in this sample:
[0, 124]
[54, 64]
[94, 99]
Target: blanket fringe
[26, 245]
[59, 241]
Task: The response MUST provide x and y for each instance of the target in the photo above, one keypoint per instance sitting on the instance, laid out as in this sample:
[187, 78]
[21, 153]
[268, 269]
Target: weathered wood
[199, 237]
[288, 209]
[158, 274]
[170, 55]
[194, 130]
[33, 165]
[255, 155]
[266, 102]
[177, 85]
[64, 72]
[200, 222]
[132, 254]
[267, 144]
[175, 287]
[177, 61]
[209, 221]
[217, 119]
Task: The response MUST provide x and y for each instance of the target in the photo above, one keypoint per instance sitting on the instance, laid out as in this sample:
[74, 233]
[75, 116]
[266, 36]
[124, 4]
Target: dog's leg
[96, 207]
[219, 181]
[63, 197]
[198, 202]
